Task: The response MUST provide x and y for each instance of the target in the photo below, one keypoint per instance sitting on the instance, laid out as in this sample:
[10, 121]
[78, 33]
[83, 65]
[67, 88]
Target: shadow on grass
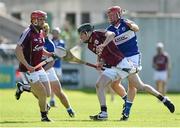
[77, 120]
[91, 90]
[11, 122]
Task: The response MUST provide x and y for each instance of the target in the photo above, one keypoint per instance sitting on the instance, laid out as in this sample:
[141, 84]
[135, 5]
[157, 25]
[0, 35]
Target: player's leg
[58, 73]
[164, 90]
[22, 86]
[119, 89]
[52, 99]
[39, 91]
[101, 84]
[160, 86]
[140, 85]
[45, 81]
[134, 60]
[130, 98]
[161, 78]
[111, 92]
[56, 88]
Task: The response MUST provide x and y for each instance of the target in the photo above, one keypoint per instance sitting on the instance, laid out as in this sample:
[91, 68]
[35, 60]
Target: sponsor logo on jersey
[38, 48]
[124, 37]
[96, 42]
[121, 38]
[35, 40]
[123, 28]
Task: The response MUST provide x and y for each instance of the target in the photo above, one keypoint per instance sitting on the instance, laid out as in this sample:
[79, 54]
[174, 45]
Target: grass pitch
[146, 111]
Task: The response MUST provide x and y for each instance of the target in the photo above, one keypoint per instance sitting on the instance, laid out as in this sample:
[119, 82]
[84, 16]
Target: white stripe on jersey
[124, 37]
[23, 36]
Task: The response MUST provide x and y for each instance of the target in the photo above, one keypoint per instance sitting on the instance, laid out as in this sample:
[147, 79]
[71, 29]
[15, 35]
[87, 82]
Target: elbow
[135, 29]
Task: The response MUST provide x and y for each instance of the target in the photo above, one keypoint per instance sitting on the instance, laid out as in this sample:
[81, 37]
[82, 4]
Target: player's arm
[46, 53]
[133, 26]
[20, 56]
[109, 37]
[49, 65]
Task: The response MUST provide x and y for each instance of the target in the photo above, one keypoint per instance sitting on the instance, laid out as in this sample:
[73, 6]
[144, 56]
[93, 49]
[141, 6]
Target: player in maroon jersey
[29, 51]
[102, 44]
[161, 67]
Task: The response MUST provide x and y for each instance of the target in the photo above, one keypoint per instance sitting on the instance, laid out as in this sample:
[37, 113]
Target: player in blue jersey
[54, 81]
[126, 40]
[57, 65]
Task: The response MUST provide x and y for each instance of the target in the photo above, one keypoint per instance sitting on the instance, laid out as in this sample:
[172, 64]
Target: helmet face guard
[114, 13]
[38, 15]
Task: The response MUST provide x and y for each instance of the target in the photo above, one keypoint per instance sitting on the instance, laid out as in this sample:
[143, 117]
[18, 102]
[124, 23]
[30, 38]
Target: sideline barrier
[7, 76]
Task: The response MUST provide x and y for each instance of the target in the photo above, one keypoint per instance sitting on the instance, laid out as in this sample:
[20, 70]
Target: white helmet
[160, 45]
[57, 29]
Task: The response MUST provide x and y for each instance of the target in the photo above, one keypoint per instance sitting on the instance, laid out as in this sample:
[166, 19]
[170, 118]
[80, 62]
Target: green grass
[146, 111]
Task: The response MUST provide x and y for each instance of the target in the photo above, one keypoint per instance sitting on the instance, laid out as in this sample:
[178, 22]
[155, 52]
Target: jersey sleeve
[51, 47]
[24, 38]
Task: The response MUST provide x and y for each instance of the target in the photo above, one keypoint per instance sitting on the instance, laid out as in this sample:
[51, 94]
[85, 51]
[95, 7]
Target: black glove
[54, 56]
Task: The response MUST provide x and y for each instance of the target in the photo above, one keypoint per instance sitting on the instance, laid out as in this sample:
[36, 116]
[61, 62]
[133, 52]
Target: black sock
[160, 97]
[103, 108]
[124, 98]
[43, 114]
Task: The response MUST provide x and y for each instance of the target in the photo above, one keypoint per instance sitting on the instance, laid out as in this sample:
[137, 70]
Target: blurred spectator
[69, 34]
[161, 66]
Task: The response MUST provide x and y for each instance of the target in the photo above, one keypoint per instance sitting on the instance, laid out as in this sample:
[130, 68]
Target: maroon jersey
[160, 62]
[32, 43]
[110, 54]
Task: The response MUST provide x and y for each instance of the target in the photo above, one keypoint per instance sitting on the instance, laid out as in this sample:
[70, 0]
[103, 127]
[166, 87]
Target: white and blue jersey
[125, 39]
[58, 43]
[49, 46]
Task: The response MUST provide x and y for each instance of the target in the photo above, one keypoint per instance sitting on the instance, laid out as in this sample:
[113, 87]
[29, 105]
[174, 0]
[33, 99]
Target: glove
[54, 56]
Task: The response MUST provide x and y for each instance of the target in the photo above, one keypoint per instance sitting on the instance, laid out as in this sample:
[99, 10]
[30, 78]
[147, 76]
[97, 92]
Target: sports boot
[102, 116]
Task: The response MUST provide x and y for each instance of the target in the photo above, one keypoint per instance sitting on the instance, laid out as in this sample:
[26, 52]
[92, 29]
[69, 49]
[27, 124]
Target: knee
[132, 88]
[97, 85]
[142, 86]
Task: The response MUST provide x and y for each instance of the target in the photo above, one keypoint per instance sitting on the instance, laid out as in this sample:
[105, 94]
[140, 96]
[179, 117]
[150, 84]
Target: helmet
[86, 27]
[46, 27]
[57, 29]
[114, 13]
[37, 14]
[160, 45]
[115, 9]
